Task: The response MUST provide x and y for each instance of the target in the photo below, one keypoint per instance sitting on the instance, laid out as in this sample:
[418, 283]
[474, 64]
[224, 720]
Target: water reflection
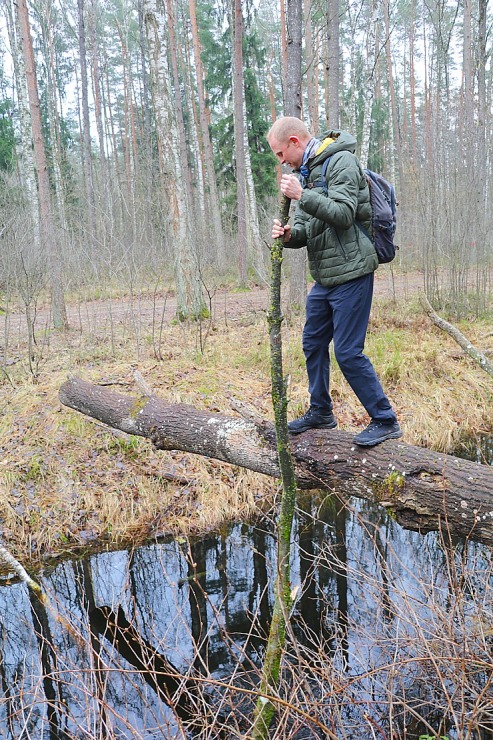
[380, 614]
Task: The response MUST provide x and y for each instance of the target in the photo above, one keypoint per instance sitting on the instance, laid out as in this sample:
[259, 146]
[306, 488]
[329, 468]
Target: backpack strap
[322, 182]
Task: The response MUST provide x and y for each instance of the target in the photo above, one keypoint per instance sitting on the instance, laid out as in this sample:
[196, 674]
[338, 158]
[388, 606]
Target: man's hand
[278, 230]
[291, 187]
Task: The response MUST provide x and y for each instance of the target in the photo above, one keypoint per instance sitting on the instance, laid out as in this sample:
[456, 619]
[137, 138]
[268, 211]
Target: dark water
[390, 635]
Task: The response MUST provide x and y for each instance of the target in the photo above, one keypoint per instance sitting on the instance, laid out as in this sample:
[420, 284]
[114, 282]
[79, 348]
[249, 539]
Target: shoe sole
[373, 442]
[306, 429]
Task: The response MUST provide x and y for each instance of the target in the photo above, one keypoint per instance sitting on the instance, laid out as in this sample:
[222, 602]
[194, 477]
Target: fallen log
[480, 358]
[423, 490]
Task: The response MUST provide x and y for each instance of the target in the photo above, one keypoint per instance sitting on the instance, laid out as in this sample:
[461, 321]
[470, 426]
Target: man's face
[290, 152]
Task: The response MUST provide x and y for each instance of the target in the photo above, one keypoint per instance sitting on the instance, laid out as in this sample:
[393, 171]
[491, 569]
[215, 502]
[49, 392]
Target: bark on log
[424, 490]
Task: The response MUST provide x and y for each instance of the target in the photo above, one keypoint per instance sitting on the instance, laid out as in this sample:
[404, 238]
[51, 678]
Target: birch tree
[368, 79]
[47, 16]
[333, 64]
[86, 127]
[25, 156]
[215, 231]
[293, 107]
[49, 242]
[240, 137]
[190, 302]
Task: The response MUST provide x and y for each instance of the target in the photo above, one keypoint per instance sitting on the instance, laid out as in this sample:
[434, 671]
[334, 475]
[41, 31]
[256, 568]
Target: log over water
[423, 490]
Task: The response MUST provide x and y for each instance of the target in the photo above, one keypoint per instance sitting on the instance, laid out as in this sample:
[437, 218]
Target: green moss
[201, 315]
[127, 445]
[241, 289]
[389, 488]
[138, 405]
[36, 468]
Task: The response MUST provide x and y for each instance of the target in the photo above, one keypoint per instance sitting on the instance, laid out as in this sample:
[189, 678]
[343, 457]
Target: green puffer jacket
[338, 251]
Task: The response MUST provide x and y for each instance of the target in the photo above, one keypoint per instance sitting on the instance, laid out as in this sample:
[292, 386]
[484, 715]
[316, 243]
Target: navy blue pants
[341, 314]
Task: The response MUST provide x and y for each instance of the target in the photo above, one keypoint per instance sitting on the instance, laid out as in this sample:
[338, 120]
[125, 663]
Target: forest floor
[226, 302]
[67, 482]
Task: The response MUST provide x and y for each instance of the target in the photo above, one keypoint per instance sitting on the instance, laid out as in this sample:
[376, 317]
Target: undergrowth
[67, 481]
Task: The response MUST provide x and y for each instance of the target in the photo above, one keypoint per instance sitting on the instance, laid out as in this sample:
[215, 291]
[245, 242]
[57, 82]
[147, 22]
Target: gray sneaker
[313, 419]
[376, 432]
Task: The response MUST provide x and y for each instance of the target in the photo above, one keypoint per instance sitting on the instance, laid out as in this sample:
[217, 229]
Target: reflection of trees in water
[52, 687]
[182, 694]
[385, 630]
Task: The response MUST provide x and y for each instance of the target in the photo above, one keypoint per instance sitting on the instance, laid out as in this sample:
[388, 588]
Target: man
[342, 261]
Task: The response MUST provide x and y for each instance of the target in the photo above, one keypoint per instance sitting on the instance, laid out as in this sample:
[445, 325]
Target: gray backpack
[383, 211]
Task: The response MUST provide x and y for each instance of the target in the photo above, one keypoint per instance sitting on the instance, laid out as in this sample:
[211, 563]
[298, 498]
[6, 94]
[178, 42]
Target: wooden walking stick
[264, 709]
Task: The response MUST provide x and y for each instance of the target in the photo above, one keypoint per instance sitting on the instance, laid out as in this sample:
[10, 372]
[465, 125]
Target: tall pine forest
[133, 154]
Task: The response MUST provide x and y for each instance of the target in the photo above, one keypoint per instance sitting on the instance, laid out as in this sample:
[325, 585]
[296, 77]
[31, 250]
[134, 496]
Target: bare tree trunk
[396, 150]
[190, 302]
[130, 138]
[25, 158]
[333, 64]
[86, 126]
[239, 126]
[213, 202]
[53, 117]
[293, 107]
[482, 58]
[483, 238]
[467, 116]
[179, 106]
[412, 87]
[369, 83]
[96, 83]
[311, 64]
[48, 236]
[424, 490]
[198, 150]
[293, 101]
[252, 225]
[284, 48]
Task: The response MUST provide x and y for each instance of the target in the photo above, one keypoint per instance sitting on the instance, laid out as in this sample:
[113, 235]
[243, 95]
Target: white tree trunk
[215, 228]
[369, 87]
[25, 157]
[253, 230]
[53, 120]
[187, 274]
[334, 65]
[49, 242]
[239, 134]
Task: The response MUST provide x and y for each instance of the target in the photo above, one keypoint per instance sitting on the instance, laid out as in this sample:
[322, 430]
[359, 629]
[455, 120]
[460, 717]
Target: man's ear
[294, 140]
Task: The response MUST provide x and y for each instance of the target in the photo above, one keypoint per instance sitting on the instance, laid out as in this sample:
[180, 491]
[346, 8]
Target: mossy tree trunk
[264, 710]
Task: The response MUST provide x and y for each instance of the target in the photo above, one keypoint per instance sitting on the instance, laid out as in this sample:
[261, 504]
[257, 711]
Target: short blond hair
[288, 126]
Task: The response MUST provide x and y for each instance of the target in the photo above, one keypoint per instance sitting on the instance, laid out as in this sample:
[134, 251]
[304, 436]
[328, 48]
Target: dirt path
[146, 311]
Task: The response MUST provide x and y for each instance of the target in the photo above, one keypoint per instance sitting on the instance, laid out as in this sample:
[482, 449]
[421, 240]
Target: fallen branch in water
[9, 560]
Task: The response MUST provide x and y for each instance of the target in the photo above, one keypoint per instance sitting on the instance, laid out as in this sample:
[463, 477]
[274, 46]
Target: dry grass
[66, 482]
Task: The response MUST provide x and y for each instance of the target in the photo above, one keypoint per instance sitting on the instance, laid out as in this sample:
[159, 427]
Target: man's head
[288, 138]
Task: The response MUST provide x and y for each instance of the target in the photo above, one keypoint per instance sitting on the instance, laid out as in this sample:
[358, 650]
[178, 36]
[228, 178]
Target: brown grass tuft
[67, 482]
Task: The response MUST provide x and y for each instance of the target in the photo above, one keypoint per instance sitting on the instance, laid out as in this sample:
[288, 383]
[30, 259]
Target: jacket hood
[333, 142]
